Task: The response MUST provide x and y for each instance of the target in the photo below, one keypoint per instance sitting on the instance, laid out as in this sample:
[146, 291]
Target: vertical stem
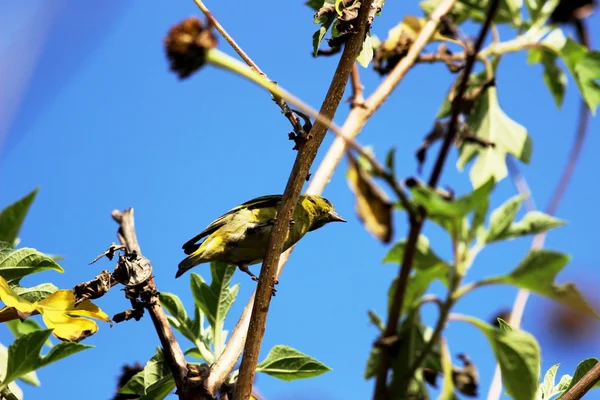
[380, 392]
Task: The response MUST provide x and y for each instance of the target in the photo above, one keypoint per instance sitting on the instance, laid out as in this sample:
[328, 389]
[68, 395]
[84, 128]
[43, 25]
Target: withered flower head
[186, 45]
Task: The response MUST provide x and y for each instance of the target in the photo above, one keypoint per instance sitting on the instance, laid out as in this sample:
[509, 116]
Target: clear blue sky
[102, 124]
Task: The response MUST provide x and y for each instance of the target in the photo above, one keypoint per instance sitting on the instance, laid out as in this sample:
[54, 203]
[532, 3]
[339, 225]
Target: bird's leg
[244, 268]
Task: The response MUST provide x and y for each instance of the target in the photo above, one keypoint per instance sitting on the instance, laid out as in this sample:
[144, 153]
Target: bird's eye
[328, 203]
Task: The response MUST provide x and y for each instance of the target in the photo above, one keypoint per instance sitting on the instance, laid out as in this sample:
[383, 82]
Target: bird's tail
[188, 263]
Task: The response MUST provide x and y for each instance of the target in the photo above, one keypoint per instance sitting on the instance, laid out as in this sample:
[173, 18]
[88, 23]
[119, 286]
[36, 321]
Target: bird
[240, 236]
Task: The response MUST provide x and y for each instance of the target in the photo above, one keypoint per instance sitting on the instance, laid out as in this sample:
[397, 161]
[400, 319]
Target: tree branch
[584, 385]
[306, 155]
[187, 388]
[416, 224]
[285, 108]
[357, 99]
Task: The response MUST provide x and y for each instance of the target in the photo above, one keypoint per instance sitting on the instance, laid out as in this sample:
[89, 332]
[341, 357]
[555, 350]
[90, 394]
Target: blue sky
[103, 124]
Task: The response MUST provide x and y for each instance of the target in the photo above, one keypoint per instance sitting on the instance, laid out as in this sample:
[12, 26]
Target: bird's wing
[260, 202]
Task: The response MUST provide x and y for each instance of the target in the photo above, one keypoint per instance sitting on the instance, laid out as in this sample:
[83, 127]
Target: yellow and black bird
[240, 237]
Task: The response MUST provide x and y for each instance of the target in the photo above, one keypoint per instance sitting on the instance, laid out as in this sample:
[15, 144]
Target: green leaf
[584, 65]
[372, 363]
[580, 371]
[414, 335]
[428, 268]
[15, 264]
[193, 330]
[533, 222]
[503, 325]
[502, 217]
[546, 389]
[518, 355]
[437, 206]
[35, 293]
[20, 328]
[418, 283]
[62, 350]
[215, 300]
[174, 306]
[24, 354]
[563, 384]
[554, 76]
[491, 124]
[321, 32]
[288, 364]
[154, 382]
[366, 52]
[537, 272]
[30, 378]
[424, 257]
[180, 320]
[12, 217]
[376, 320]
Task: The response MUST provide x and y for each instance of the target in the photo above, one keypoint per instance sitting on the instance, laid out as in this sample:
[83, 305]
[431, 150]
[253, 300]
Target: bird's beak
[333, 217]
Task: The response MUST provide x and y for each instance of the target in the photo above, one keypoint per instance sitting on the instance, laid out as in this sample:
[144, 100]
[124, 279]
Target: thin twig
[357, 99]
[584, 384]
[285, 108]
[306, 155]
[172, 351]
[416, 224]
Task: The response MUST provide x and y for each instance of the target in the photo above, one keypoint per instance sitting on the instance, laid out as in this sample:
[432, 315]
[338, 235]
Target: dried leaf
[372, 205]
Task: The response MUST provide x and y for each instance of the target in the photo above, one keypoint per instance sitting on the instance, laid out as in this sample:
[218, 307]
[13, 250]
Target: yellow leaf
[60, 313]
[372, 205]
[12, 300]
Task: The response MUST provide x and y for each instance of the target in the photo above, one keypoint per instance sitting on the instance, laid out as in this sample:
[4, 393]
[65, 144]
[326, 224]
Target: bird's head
[322, 210]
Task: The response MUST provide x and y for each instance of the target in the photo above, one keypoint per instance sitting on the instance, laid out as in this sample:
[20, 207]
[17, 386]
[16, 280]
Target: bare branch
[357, 99]
[285, 108]
[584, 385]
[188, 386]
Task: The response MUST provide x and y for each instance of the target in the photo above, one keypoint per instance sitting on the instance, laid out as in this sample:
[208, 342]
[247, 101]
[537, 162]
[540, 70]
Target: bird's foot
[244, 268]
